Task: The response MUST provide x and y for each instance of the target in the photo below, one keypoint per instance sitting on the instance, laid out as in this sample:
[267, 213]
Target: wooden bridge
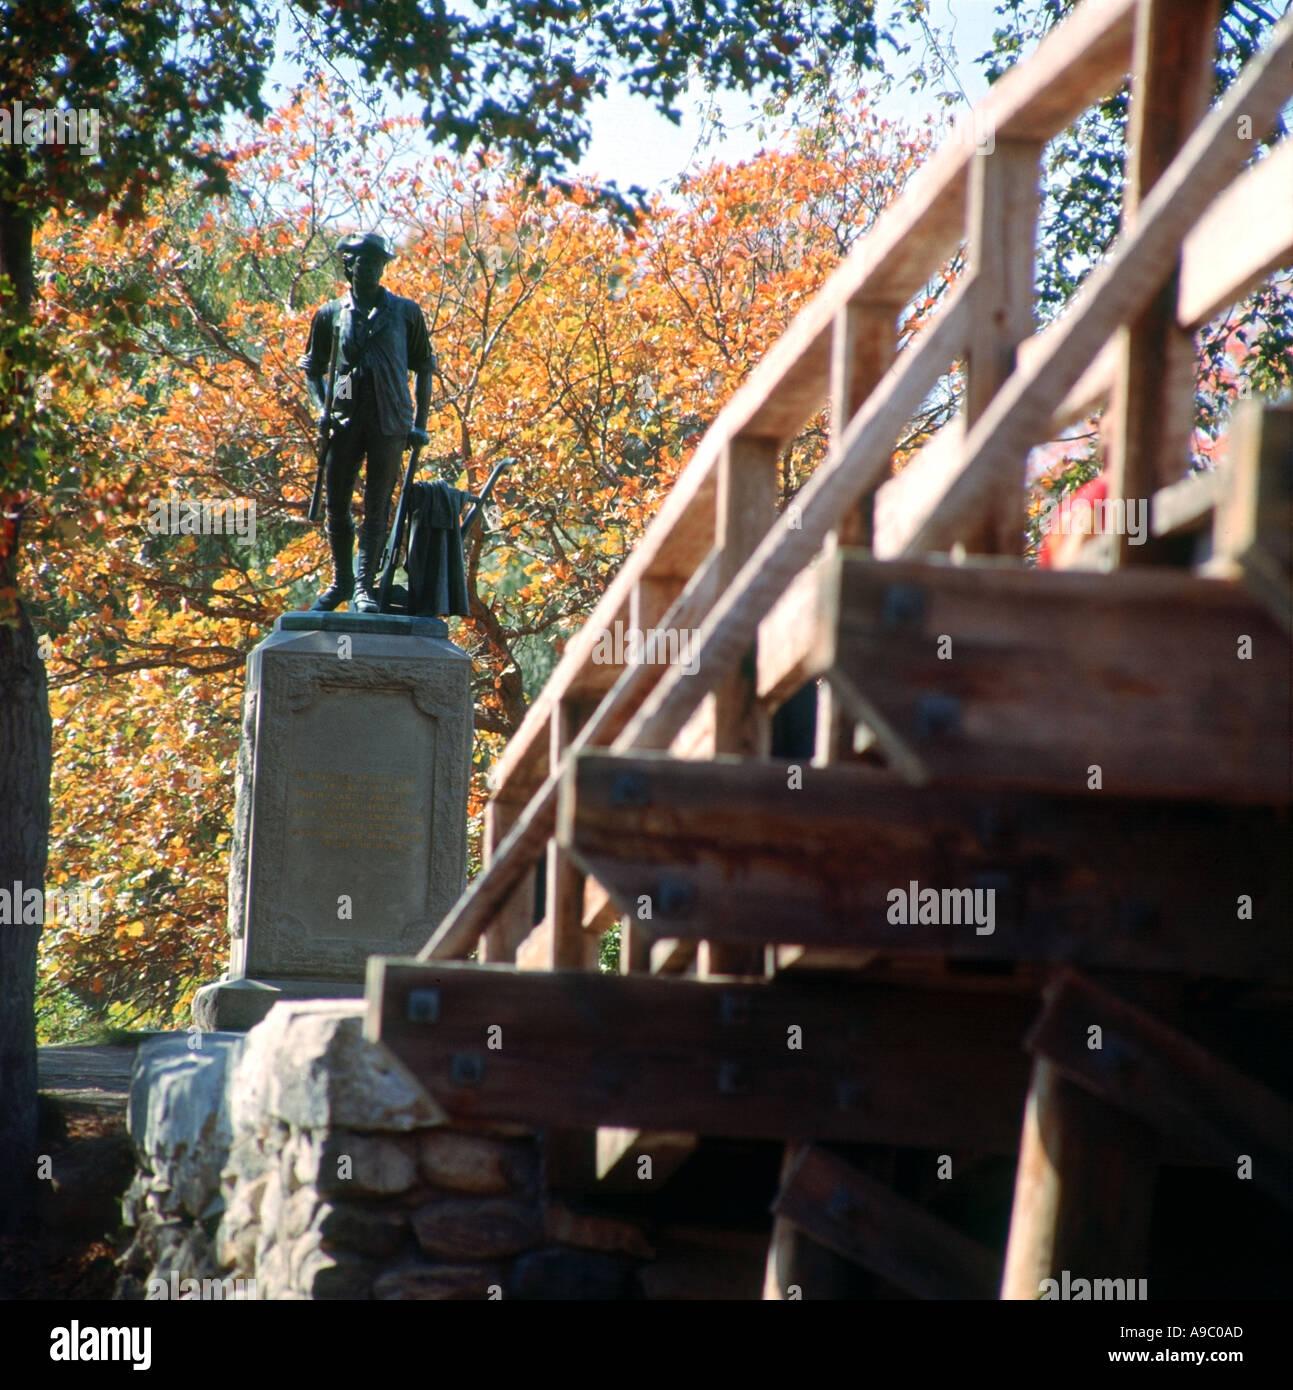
[1089, 765]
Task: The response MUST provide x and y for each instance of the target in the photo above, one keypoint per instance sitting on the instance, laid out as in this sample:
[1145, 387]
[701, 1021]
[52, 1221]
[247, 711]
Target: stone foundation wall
[307, 1160]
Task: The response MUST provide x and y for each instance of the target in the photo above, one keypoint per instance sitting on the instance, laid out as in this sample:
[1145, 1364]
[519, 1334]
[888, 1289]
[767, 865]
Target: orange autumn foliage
[591, 353]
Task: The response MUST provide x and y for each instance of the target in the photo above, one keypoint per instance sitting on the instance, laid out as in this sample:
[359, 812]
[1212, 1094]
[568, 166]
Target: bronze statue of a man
[361, 350]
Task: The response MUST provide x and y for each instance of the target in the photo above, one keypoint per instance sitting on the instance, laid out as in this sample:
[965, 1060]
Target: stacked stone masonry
[301, 1161]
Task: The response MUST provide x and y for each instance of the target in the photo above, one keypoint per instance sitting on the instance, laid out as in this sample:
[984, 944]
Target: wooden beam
[578, 1049]
[696, 737]
[1114, 293]
[1173, 1084]
[1084, 1191]
[1079, 62]
[869, 1223]
[1245, 236]
[1183, 506]
[741, 851]
[822, 958]
[902, 502]
[1153, 395]
[999, 676]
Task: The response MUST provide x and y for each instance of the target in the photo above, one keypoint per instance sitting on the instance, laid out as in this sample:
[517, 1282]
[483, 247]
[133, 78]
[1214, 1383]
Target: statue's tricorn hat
[356, 245]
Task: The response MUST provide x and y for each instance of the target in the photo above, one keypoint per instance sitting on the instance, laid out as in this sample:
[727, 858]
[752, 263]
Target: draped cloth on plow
[435, 566]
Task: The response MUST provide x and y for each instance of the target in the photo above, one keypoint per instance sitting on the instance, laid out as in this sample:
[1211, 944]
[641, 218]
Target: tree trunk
[24, 792]
[24, 843]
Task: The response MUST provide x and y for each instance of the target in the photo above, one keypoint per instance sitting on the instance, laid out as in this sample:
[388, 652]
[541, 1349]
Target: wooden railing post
[863, 343]
[747, 508]
[1152, 413]
[1001, 227]
[571, 948]
[650, 600]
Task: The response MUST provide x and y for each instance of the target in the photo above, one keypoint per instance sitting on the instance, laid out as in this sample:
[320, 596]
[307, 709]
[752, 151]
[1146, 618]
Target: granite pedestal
[350, 830]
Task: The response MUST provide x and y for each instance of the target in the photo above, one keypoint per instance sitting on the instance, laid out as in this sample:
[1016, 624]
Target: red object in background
[1055, 541]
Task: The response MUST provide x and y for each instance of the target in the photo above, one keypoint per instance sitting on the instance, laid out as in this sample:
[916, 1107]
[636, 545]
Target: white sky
[633, 144]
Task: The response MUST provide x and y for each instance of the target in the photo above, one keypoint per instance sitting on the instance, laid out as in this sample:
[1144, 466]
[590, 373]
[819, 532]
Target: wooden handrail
[1115, 291]
[949, 488]
[1081, 61]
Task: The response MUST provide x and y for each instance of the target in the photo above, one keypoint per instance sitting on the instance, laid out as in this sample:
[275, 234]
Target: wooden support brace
[797, 1267]
[1129, 1059]
[599, 911]
[868, 1223]
[635, 946]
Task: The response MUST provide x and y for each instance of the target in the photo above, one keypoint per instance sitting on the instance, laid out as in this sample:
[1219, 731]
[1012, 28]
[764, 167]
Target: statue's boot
[342, 543]
[370, 552]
